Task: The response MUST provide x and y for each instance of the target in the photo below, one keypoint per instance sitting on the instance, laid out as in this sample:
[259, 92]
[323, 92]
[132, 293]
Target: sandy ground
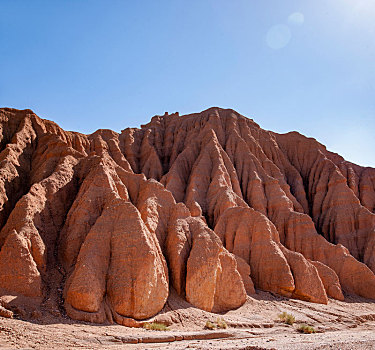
[255, 325]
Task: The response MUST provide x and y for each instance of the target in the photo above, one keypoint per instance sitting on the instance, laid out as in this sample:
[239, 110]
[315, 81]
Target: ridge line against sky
[307, 66]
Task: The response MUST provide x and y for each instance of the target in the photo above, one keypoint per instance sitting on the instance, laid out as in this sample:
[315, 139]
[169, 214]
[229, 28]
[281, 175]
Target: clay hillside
[102, 227]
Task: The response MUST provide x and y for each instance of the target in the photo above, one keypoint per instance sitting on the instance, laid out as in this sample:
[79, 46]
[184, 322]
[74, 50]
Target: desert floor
[255, 325]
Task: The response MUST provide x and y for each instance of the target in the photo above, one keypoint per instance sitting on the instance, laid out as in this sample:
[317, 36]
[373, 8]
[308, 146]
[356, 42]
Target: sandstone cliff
[101, 226]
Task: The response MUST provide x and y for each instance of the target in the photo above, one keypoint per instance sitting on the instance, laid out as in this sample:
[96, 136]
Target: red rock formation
[209, 204]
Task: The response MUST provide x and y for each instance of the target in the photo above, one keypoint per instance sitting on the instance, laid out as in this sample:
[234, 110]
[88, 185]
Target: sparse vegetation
[304, 328]
[287, 318]
[210, 325]
[221, 323]
[154, 326]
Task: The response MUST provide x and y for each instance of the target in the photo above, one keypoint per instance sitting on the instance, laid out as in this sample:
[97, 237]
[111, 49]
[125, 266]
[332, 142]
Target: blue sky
[290, 65]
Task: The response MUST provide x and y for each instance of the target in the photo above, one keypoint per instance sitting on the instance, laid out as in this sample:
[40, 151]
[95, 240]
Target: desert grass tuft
[304, 328]
[287, 318]
[209, 325]
[221, 323]
[154, 326]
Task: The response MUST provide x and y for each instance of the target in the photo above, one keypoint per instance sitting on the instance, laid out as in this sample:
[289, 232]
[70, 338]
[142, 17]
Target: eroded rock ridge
[101, 226]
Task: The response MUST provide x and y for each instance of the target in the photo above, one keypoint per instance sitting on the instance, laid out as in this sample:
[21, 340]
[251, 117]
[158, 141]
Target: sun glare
[361, 6]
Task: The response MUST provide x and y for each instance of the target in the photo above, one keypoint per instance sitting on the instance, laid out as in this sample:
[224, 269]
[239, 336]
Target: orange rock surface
[102, 226]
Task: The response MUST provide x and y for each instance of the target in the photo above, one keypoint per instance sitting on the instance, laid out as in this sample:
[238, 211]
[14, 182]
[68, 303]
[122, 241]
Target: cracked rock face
[210, 204]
